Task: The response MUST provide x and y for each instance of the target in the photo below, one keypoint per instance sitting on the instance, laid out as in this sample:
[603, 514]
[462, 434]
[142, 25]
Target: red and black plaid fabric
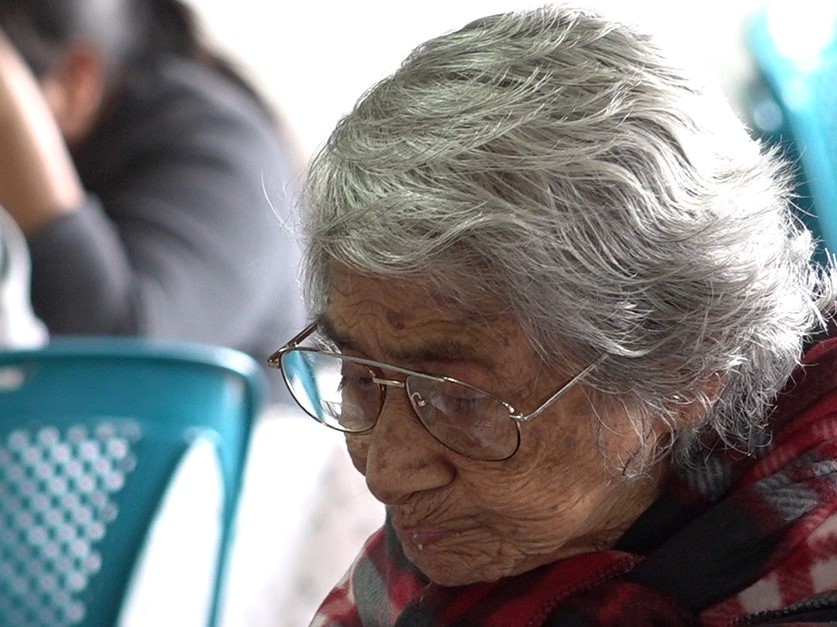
[734, 541]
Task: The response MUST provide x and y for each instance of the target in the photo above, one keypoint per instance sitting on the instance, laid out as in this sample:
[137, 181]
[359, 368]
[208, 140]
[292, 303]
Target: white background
[314, 58]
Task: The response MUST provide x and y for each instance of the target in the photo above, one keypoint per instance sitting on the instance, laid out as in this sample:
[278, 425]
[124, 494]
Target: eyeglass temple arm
[564, 389]
[296, 340]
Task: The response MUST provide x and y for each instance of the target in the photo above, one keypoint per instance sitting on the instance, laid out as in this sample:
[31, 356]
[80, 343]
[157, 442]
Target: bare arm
[38, 181]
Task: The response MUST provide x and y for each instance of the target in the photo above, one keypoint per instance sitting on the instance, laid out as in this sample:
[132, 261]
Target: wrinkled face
[460, 520]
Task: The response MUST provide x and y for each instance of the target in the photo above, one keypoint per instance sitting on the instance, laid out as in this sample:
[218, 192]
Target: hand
[38, 180]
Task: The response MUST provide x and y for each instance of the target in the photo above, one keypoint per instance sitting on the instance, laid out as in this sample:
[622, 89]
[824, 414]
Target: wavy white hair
[558, 162]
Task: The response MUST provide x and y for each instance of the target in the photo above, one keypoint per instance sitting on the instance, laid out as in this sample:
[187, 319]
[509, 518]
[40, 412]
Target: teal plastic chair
[91, 432]
[793, 101]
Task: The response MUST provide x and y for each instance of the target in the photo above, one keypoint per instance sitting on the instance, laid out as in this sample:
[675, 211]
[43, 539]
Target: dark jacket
[185, 231]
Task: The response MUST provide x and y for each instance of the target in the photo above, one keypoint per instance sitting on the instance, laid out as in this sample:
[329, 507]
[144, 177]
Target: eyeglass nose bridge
[416, 399]
[387, 383]
[393, 383]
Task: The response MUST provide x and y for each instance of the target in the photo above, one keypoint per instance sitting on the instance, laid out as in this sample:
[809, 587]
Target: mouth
[421, 537]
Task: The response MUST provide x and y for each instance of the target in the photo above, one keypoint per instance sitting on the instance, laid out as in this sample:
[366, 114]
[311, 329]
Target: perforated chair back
[794, 101]
[91, 431]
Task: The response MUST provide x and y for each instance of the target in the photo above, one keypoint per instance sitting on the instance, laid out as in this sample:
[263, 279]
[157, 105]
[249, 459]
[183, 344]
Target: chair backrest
[91, 431]
[794, 101]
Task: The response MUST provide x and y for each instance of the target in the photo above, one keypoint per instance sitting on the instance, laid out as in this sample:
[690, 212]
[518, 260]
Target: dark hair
[130, 33]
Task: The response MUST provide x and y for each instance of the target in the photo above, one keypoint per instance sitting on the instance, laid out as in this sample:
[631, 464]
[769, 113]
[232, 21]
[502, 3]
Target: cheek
[551, 477]
[517, 499]
[358, 447]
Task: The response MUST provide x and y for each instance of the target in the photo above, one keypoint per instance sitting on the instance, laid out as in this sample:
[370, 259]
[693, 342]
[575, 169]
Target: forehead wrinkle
[394, 321]
[341, 333]
[441, 351]
[411, 348]
[468, 310]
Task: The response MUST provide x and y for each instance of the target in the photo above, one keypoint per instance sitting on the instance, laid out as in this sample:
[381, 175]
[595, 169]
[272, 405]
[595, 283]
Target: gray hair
[558, 162]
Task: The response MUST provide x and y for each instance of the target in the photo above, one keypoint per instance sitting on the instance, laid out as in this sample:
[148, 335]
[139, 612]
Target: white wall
[313, 58]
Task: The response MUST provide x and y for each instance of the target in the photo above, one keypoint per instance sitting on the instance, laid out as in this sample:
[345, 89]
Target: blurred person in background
[147, 176]
[570, 327]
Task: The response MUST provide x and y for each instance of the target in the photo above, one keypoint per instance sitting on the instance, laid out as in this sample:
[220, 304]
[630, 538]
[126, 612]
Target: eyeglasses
[348, 394]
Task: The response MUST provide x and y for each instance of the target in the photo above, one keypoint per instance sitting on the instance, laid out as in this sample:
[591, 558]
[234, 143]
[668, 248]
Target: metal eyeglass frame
[275, 361]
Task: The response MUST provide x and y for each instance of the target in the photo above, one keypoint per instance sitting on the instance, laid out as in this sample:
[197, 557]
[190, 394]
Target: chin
[454, 569]
[451, 570]
[452, 579]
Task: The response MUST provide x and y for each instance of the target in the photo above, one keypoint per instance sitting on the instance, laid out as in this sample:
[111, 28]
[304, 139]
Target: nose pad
[418, 400]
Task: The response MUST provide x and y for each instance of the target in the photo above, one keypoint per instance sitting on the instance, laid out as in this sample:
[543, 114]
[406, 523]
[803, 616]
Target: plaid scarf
[733, 541]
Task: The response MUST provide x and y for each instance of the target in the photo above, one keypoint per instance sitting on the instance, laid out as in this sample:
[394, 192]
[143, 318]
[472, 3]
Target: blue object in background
[91, 431]
[794, 102]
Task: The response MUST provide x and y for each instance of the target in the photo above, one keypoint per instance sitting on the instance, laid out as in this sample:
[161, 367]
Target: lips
[421, 537]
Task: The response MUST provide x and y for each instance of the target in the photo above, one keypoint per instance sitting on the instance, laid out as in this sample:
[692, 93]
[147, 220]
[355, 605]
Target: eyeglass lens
[338, 393]
[343, 394]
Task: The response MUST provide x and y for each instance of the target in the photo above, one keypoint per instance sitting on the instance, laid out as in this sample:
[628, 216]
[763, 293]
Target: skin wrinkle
[404, 328]
[554, 498]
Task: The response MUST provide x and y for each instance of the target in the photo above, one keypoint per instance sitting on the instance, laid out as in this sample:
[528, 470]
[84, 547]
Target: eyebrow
[438, 351]
[326, 328]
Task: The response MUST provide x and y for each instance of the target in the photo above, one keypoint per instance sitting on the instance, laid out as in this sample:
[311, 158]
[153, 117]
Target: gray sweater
[185, 231]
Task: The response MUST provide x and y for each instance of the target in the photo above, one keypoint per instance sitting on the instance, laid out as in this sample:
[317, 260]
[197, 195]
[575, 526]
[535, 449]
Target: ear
[74, 90]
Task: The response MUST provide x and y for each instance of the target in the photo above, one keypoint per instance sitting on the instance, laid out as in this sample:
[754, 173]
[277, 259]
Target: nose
[401, 457]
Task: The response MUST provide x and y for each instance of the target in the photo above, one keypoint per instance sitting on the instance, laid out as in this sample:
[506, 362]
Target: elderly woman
[557, 291]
